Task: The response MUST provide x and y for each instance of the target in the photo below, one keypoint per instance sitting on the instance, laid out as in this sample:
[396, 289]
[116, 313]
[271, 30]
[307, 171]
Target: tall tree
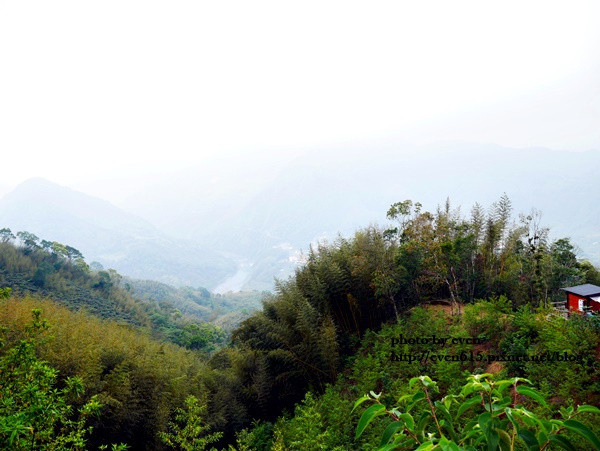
[73, 254]
[29, 240]
[535, 253]
[6, 235]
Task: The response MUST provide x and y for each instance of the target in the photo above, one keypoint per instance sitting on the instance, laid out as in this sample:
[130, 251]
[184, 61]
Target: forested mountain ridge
[224, 310]
[326, 336]
[51, 270]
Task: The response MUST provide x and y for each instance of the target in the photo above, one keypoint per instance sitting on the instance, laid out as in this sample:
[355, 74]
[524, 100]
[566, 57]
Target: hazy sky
[90, 90]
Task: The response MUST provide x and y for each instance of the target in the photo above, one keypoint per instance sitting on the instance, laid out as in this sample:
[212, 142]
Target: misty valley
[299, 226]
[442, 329]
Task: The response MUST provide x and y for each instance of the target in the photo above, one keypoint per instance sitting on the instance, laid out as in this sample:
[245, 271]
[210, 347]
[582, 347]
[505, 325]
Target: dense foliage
[314, 321]
[501, 421]
[292, 371]
[32, 409]
[326, 421]
[190, 317]
[138, 380]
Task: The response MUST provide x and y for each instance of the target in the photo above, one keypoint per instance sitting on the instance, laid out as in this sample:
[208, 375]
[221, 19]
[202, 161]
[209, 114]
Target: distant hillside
[31, 269]
[104, 233]
[226, 311]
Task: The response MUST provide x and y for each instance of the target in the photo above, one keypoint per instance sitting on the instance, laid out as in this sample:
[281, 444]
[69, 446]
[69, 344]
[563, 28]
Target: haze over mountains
[237, 225]
[107, 234]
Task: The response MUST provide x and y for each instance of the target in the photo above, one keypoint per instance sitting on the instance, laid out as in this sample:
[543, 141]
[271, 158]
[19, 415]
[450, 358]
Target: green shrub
[485, 412]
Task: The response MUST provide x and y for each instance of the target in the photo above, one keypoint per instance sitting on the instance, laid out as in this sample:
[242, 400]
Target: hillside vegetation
[338, 329]
[59, 272]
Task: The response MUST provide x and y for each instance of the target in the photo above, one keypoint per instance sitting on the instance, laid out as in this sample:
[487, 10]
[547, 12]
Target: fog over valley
[211, 148]
[227, 227]
[223, 223]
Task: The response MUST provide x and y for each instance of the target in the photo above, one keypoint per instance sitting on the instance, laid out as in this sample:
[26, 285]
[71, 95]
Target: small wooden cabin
[583, 298]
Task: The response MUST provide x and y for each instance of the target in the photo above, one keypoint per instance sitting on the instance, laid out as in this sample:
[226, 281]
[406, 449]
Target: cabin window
[580, 305]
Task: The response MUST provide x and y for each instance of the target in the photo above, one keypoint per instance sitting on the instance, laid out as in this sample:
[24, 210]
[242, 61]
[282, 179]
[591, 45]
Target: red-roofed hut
[583, 298]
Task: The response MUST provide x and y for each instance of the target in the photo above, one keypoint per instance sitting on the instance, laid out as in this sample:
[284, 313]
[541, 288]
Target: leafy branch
[503, 425]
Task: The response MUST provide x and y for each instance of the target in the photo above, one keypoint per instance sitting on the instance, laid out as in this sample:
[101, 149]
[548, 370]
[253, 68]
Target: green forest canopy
[316, 337]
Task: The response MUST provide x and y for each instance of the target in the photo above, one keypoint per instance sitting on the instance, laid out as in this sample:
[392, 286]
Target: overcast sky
[90, 90]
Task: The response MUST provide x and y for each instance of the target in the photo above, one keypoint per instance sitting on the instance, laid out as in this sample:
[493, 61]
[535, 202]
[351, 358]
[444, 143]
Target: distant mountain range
[340, 189]
[107, 234]
[241, 226]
